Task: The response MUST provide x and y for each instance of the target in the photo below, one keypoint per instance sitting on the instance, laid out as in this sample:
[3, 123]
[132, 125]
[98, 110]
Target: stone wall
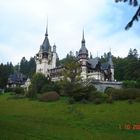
[103, 85]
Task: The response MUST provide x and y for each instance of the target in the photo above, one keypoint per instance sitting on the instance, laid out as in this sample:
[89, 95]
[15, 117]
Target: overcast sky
[23, 25]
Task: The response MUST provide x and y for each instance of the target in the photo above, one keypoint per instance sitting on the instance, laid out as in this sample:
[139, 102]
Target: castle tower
[54, 57]
[44, 58]
[83, 58]
[111, 65]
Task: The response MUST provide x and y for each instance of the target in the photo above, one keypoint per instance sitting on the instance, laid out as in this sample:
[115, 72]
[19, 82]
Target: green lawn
[23, 119]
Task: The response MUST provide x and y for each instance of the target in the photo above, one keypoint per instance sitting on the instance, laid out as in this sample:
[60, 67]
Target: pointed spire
[54, 48]
[45, 47]
[91, 55]
[46, 34]
[83, 39]
[83, 35]
[83, 49]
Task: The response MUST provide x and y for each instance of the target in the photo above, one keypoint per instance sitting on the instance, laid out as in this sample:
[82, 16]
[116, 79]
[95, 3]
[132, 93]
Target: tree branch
[136, 15]
[134, 18]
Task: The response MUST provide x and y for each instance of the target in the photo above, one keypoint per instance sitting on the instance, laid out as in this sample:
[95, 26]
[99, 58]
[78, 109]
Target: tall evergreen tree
[5, 71]
[24, 66]
[31, 66]
[27, 67]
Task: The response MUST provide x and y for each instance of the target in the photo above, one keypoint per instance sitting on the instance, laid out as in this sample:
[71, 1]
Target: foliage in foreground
[40, 84]
[72, 84]
[16, 90]
[131, 84]
[123, 94]
[49, 96]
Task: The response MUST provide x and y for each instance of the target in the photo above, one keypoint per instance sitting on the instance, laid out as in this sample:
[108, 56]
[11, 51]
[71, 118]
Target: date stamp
[130, 127]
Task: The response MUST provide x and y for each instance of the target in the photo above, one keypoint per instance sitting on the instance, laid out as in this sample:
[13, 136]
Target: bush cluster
[123, 94]
[83, 93]
[78, 91]
[50, 86]
[1, 91]
[16, 90]
[40, 84]
[131, 84]
[97, 100]
[71, 101]
[137, 99]
[49, 96]
[93, 95]
[109, 101]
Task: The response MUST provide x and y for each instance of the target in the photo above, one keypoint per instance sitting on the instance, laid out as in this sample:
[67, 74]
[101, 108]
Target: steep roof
[46, 44]
[93, 62]
[105, 66]
[17, 78]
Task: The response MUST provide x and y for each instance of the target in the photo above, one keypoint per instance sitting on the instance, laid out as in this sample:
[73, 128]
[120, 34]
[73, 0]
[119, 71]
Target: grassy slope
[32, 120]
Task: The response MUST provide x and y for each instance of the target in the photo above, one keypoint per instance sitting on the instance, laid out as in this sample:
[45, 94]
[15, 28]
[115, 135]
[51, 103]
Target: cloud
[24, 22]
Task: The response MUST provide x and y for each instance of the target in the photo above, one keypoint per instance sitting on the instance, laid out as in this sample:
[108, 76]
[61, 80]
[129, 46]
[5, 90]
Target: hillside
[23, 119]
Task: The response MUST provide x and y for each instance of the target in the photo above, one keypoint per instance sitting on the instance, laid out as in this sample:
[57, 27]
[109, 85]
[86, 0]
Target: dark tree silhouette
[136, 15]
[27, 67]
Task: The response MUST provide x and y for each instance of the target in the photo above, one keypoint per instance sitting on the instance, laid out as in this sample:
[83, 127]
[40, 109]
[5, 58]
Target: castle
[91, 68]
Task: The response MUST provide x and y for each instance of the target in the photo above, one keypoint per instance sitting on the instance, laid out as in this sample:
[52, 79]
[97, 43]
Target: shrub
[84, 101]
[49, 96]
[9, 90]
[130, 101]
[98, 101]
[84, 92]
[2, 91]
[31, 92]
[138, 83]
[137, 99]
[16, 90]
[109, 91]
[50, 86]
[71, 101]
[124, 94]
[37, 82]
[16, 96]
[109, 100]
[76, 90]
[104, 97]
[129, 84]
[92, 95]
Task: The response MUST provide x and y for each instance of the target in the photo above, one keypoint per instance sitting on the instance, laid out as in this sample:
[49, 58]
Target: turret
[54, 56]
[83, 52]
[44, 56]
[110, 62]
[54, 48]
[83, 57]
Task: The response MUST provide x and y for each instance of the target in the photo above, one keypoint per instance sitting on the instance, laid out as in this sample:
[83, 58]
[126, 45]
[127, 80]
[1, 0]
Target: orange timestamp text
[130, 126]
